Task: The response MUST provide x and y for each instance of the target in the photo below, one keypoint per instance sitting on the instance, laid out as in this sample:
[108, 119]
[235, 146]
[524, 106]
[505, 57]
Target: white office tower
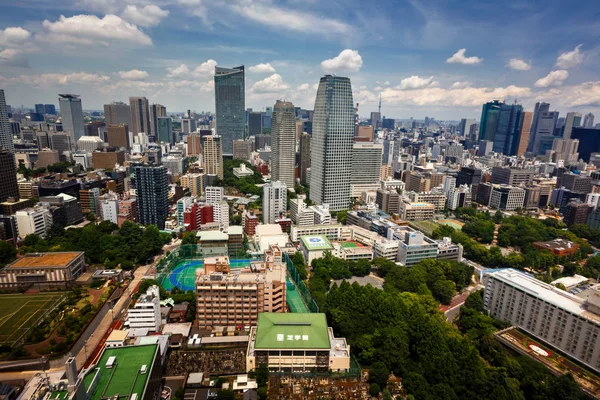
[71, 115]
[146, 312]
[110, 208]
[213, 194]
[221, 214]
[573, 120]
[6, 137]
[449, 184]
[283, 143]
[274, 201]
[366, 168]
[331, 144]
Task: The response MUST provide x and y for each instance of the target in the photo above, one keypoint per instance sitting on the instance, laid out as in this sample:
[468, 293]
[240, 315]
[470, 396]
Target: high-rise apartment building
[331, 143]
[194, 148]
[212, 151]
[71, 115]
[145, 314]
[230, 105]
[8, 176]
[573, 120]
[501, 123]
[283, 143]
[140, 115]
[117, 113]
[164, 130]
[6, 136]
[118, 136]
[304, 157]
[152, 193]
[274, 201]
[156, 111]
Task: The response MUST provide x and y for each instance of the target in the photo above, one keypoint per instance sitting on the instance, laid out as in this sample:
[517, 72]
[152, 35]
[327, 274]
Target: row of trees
[104, 243]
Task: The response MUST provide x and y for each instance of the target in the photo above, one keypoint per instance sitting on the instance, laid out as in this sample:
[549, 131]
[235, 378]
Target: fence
[186, 252]
[300, 286]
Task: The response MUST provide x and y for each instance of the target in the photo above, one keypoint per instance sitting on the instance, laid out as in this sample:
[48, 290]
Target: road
[451, 311]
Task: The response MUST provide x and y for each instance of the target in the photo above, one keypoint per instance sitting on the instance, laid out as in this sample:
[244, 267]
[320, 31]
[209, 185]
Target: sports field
[451, 223]
[20, 312]
[184, 274]
[427, 227]
[293, 299]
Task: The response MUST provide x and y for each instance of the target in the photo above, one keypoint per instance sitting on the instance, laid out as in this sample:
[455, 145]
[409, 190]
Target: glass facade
[501, 124]
[152, 192]
[165, 130]
[230, 105]
[71, 115]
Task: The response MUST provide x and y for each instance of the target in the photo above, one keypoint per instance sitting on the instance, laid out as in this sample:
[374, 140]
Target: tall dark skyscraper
[230, 105]
[304, 157]
[164, 131]
[501, 123]
[71, 114]
[8, 176]
[152, 193]
[542, 129]
[156, 111]
[254, 123]
[117, 113]
[589, 141]
[331, 144]
[140, 115]
[6, 136]
[40, 109]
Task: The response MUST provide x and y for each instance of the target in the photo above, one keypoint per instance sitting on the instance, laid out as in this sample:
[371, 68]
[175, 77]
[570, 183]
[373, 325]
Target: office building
[331, 143]
[213, 194]
[33, 220]
[176, 164]
[89, 144]
[242, 150]
[565, 150]
[65, 209]
[156, 111]
[459, 197]
[573, 120]
[152, 192]
[414, 247]
[512, 176]
[283, 143]
[388, 201]
[107, 159]
[468, 176]
[145, 314]
[8, 176]
[575, 182]
[375, 120]
[117, 113]
[188, 125]
[388, 123]
[140, 115]
[274, 201]
[554, 316]
[532, 197]
[227, 299]
[412, 211]
[212, 150]
[542, 128]
[577, 212]
[589, 141]
[110, 208]
[6, 135]
[464, 127]
[164, 130]
[194, 148]
[526, 120]
[437, 198]
[304, 157]
[71, 115]
[365, 133]
[43, 268]
[588, 121]
[194, 182]
[118, 136]
[501, 123]
[230, 105]
[507, 198]
[90, 201]
[255, 123]
[296, 343]
[485, 148]
[366, 164]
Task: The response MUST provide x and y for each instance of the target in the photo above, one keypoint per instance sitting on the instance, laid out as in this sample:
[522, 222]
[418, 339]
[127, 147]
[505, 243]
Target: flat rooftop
[45, 260]
[557, 244]
[316, 242]
[292, 331]
[124, 378]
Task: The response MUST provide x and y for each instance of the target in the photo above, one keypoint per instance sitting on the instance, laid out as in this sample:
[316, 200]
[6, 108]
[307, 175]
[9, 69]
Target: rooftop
[557, 244]
[212, 235]
[45, 260]
[292, 331]
[125, 377]
[268, 229]
[316, 242]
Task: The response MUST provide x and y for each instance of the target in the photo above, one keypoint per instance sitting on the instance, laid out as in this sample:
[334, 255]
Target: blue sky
[424, 58]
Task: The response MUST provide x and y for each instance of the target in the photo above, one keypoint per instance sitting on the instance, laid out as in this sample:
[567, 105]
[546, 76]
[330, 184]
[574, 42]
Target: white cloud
[134, 74]
[416, 82]
[267, 13]
[56, 79]
[203, 70]
[570, 58]
[147, 16]
[303, 87]
[90, 30]
[586, 94]
[460, 58]
[554, 78]
[347, 61]
[13, 36]
[519, 65]
[262, 68]
[272, 84]
[460, 85]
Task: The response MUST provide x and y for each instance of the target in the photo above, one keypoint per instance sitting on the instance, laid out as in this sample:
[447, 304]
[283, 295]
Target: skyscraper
[573, 120]
[230, 105]
[588, 121]
[274, 201]
[542, 129]
[164, 132]
[152, 192]
[331, 144]
[140, 115]
[527, 117]
[39, 109]
[283, 143]
[366, 163]
[254, 123]
[71, 115]
[212, 151]
[304, 157]
[193, 145]
[156, 111]
[501, 124]
[118, 136]
[6, 136]
[375, 120]
[117, 113]
[8, 175]
[464, 127]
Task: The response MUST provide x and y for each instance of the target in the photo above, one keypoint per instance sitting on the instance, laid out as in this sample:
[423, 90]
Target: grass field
[427, 227]
[20, 312]
[294, 300]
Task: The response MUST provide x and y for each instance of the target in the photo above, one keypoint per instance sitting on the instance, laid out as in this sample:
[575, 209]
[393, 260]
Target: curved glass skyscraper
[331, 143]
[230, 105]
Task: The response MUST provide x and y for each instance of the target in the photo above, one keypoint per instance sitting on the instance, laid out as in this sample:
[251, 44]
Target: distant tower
[152, 190]
[379, 110]
[6, 136]
[230, 105]
[71, 115]
[283, 143]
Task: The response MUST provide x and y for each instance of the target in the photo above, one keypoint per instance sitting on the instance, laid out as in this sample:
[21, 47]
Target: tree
[224, 394]
[7, 253]
[379, 374]
[475, 301]
[374, 389]
[262, 375]
[189, 238]
[341, 216]
[300, 265]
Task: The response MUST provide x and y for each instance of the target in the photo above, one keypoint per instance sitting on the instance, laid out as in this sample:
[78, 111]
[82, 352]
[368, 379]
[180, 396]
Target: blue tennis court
[183, 276]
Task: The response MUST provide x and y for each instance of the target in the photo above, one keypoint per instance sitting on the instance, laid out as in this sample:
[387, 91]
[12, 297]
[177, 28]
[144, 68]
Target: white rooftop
[570, 281]
[268, 229]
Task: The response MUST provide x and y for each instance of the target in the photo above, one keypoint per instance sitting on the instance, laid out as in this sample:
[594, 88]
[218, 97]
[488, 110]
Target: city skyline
[438, 63]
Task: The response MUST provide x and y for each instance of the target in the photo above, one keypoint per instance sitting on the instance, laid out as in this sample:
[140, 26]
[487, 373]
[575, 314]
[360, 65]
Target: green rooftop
[124, 378]
[316, 242]
[292, 331]
[348, 245]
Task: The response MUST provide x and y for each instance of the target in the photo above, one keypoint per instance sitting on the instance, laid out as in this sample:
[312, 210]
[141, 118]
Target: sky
[436, 58]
